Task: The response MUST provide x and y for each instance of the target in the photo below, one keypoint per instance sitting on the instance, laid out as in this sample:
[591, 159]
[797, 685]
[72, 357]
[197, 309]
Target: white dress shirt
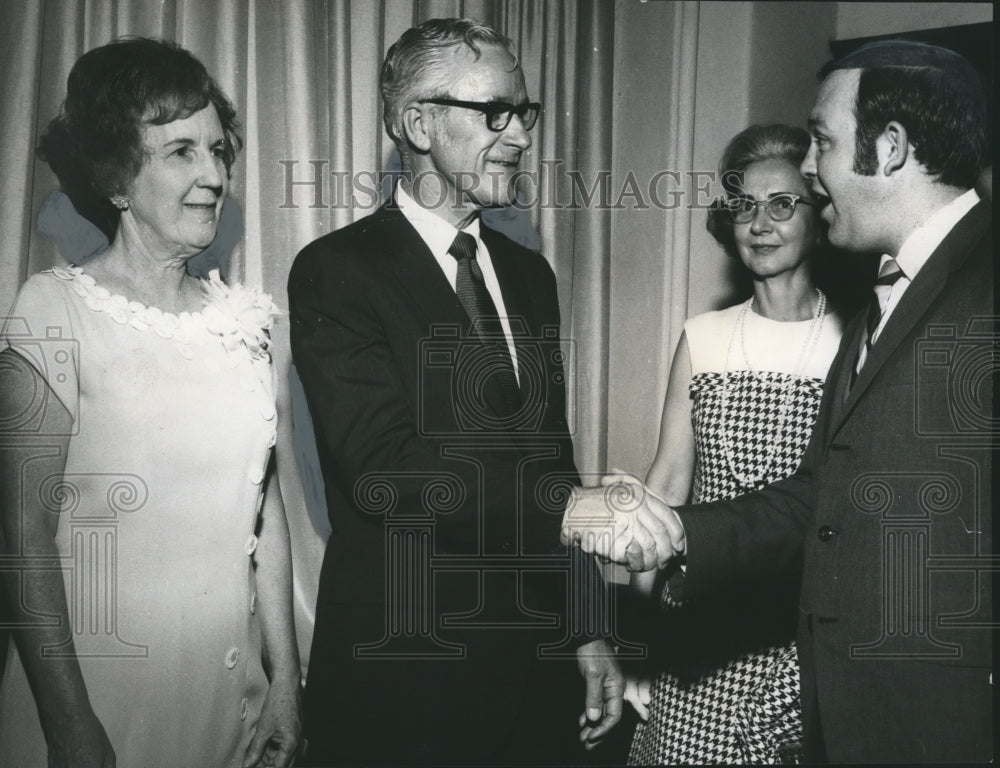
[915, 251]
[438, 235]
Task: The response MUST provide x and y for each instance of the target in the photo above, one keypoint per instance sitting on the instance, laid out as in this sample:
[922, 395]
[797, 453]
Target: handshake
[624, 522]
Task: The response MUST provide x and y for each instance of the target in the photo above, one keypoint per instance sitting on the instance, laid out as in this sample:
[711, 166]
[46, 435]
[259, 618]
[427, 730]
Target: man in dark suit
[890, 511]
[429, 351]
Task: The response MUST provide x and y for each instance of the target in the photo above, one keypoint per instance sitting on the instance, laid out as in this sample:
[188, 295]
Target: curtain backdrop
[304, 77]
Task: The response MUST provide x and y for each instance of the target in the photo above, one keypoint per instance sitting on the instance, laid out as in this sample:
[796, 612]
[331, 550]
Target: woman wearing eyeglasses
[721, 684]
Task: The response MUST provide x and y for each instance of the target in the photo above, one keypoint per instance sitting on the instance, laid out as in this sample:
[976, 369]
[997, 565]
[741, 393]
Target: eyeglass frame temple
[796, 199]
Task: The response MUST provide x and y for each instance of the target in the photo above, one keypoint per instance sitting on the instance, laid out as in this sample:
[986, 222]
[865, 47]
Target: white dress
[173, 426]
[718, 697]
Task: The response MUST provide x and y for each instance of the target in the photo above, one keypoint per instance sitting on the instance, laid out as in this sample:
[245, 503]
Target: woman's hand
[79, 742]
[279, 730]
[638, 694]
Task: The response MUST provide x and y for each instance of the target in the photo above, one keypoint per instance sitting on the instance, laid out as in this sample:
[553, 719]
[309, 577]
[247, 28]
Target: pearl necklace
[739, 332]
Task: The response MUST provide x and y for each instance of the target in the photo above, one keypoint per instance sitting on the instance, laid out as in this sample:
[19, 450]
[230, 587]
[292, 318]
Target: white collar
[437, 233]
[923, 241]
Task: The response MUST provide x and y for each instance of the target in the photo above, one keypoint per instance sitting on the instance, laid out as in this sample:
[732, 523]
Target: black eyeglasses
[498, 113]
[779, 207]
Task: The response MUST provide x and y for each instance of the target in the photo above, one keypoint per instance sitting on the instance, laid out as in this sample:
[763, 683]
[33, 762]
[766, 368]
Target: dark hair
[756, 143]
[413, 64]
[95, 144]
[933, 92]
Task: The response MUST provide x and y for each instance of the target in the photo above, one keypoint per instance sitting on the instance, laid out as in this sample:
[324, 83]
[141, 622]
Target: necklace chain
[805, 353]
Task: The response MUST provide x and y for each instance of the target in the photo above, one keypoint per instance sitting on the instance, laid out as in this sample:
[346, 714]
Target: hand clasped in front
[624, 522]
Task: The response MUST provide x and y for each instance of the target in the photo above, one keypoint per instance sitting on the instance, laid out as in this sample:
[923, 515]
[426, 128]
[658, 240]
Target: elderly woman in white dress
[139, 502]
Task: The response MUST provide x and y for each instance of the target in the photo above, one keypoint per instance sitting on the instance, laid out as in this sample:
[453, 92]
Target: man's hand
[623, 521]
[605, 690]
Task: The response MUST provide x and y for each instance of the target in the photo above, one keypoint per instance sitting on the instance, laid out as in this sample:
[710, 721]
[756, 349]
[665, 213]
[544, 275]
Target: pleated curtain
[304, 77]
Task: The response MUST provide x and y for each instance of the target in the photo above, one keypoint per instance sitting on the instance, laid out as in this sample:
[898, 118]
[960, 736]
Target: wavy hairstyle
[414, 65]
[95, 145]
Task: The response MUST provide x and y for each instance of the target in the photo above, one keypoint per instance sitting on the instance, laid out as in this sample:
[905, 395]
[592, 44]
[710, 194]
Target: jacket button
[826, 533]
[232, 657]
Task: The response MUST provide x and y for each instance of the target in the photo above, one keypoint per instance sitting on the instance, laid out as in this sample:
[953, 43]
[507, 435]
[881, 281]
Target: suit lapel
[513, 287]
[853, 334]
[516, 303]
[413, 267]
[417, 273]
[918, 299]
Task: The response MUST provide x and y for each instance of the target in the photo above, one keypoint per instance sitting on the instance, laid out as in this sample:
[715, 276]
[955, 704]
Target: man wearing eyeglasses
[450, 622]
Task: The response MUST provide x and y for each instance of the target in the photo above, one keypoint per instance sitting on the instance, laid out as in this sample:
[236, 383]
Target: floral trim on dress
[238, 317]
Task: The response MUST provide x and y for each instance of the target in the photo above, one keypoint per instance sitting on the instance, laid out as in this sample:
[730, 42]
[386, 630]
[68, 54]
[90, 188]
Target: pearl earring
[120, 202]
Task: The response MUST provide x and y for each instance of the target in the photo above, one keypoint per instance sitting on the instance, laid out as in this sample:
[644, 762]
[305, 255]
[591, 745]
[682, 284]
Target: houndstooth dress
[727, 686]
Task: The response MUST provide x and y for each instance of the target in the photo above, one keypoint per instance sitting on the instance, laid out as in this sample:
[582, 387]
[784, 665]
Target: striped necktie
[888, 275]
[475, 300]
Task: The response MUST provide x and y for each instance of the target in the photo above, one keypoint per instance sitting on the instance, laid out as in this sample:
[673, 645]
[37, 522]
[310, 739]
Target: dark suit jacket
[891, 510]
[423, 462]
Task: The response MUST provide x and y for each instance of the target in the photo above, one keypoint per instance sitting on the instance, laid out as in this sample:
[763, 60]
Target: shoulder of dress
[48, 287]
[713, 320]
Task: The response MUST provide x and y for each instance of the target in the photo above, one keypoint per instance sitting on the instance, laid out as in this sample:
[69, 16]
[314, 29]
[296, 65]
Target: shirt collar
[923, 241]
[437, 233]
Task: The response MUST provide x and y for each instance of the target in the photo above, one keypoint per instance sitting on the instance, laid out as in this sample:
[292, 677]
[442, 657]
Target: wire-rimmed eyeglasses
[498, 113]
[780, 207]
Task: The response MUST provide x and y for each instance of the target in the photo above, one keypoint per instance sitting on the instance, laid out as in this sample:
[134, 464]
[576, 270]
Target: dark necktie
[888, 275]
[475, 299]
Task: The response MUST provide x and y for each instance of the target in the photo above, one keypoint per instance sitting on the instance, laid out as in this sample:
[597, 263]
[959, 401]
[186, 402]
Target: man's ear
[893, 147]
[415, 128]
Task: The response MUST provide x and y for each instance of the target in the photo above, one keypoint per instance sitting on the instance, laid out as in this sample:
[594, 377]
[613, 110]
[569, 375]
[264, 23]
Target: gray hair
[414, 64]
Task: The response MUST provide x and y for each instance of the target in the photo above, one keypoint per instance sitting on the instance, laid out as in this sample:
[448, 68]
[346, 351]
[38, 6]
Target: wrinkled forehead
[773, 176]
[202, 125]
[492, 75]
